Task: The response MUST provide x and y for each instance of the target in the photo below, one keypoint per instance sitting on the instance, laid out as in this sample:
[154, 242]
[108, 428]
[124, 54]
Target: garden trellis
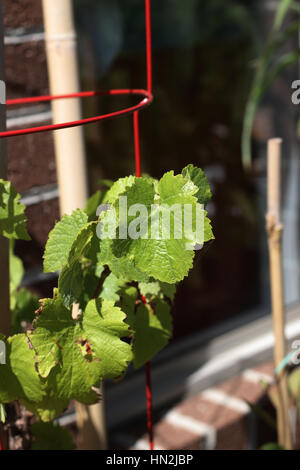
[147, 98]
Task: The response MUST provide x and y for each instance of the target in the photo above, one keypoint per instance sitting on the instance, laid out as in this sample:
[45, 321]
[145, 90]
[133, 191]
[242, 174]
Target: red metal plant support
[146, 101]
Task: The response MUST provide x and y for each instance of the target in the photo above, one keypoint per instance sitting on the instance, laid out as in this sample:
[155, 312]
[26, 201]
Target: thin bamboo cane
[70, 159]
[274, 231]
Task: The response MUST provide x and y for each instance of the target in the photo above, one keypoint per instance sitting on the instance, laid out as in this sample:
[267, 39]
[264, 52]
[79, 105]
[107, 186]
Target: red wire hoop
[146, 101]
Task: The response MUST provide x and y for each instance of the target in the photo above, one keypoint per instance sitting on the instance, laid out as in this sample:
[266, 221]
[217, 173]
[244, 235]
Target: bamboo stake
[70, 160]
[274, 231]
[64, 78]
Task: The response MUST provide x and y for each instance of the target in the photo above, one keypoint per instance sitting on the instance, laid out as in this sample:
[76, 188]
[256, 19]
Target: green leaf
[272, 446]
[79, 278]
[128, 298]
[118, 188]
[74, 355]
[71, 284]
[152, 331]
[262, 80]
[282, 10]
[50, 436]
[2, 414]
[12, 217]
[92, 205]
[16, 271]
[197, 176]
[123, 268]
[104, 325]
[165, 258]
[61, 239]
[157, 289]
[18, 377]
[111, 288]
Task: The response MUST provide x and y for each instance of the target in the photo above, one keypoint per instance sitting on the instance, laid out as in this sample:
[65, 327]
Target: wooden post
[4, 244]
[70, 160]
[274, 231]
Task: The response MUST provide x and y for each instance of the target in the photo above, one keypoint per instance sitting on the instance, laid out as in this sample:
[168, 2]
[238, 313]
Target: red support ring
[146, 101]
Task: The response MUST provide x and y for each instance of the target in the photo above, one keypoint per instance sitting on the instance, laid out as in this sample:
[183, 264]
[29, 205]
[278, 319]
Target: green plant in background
[273, 394]
[268, 67]
[113, 301]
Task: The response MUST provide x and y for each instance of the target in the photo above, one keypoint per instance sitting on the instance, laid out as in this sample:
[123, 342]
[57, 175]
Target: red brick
[31, 161]
[26, 70]
[22, 13]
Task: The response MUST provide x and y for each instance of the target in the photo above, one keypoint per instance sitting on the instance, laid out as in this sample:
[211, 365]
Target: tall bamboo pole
[274, 231]
[70, 159]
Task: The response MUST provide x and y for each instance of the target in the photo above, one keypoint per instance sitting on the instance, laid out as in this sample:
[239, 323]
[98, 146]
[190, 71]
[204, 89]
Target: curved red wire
[148, 98]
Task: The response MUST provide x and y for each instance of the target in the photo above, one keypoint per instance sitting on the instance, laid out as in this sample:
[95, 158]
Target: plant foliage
[113, 301]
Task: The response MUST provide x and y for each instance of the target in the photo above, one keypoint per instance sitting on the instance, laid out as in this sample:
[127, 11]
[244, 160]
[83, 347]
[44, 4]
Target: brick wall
[31, 160]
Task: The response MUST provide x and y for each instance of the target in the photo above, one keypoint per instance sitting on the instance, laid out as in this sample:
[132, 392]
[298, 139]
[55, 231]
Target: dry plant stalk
[274, 231]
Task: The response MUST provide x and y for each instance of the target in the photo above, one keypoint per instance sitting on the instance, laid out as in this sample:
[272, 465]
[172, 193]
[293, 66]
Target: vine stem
[149, 405]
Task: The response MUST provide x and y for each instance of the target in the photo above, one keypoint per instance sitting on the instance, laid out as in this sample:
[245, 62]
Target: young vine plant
[113, 300]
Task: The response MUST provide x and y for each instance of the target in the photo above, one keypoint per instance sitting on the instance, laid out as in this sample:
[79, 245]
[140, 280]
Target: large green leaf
[164, 257]
[75, 354]
[12, 217]
[61, 239]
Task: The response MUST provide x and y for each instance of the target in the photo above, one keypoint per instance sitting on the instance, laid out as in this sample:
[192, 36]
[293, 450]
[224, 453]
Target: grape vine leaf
[118, 188]
[12, 217]
[50, 436]
[123, 267]
[18, 377]
[92, 205]
[104, 324]
[165, 258]
[152, 331]
[79, 277]
[61, 239]
[157, 289]
[75, 354]
[111, 288]
[197, 176]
